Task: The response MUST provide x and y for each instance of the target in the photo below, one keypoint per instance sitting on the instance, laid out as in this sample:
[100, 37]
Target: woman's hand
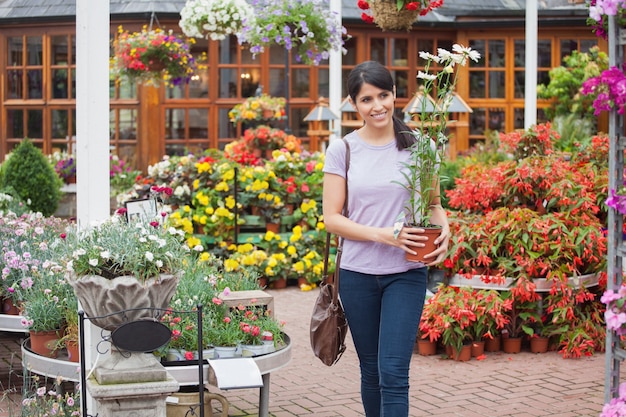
[414, 236]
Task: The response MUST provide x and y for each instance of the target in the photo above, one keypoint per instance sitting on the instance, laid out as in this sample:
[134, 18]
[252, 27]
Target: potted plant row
[535, 215]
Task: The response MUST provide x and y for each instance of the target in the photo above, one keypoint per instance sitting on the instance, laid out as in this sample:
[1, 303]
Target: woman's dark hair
[376, 74]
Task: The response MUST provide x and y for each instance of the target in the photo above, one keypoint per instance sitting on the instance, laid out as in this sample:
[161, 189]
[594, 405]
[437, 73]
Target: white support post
[92, 129]
[530, 88]
[92, 111]
[335, 79]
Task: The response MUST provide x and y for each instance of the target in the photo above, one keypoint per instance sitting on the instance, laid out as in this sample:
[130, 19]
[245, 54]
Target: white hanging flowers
[214, 19]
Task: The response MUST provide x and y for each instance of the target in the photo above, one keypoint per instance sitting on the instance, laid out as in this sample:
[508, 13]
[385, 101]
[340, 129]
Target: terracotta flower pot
[431, 233]
[280, 283]
[44, 343]
[426, 347]
[512, 345]
[464, 355]
[73, 351]
[492, 345]
[478, 348]
[539, 344]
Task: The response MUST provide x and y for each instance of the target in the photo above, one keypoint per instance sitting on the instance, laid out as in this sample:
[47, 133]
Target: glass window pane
[129, 154]
[225, 129]
[73, 81]
[34, 50]
[544, 53]
[176, 149]
[350, 57]
[496, 84]
[59, 124]
[199, 84]
[567, 46]
[174, 124]
[35, 87]
[227, 51]
[520, 84]
[424, 45]
[480, 46]
[246, 55]
[35, 124]
[128, 124]
[518, 115]
[323, 82]
[543, 77]
[277, 56]
[496, 119]
[15, 53]
[15, 124]
[445, 44]
[587, 44]
[301, 83]
[59, 83]
[297, 123]
[477, 84]
[14, 84]
[198, 123]
[399, 50]
[228, 83]
[402, 83]
[277, 83]
[177, 91]
[378, 49]
[477, 122]
[73, 38]
[58, 50]
[519, 52]
[496, 53]
[250, 78]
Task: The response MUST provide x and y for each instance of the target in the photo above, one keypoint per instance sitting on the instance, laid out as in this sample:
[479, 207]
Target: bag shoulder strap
[340, 244]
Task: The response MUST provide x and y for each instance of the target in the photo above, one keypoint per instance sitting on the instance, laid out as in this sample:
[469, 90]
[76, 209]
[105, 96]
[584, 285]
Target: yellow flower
[231, 265]
[230, 202]
[291, 250]
[193, 241]
[203, 167]
[187, 226]
[196, 184]
[269, 236]
[298, 267]
[203, 200]
[245, 248]
[222, 186]
[186, 209]
[204, 257]
[209, 210]
[223, 212]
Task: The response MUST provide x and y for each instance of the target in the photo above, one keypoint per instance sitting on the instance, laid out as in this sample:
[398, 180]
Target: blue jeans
[383, 313]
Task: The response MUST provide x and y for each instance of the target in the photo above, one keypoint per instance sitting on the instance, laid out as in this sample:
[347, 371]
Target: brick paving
[501, 385]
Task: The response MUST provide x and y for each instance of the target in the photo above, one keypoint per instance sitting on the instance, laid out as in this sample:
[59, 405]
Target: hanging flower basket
[214, 19]
[151, 57]
[309, 29]
[396, 15]
[388, 17]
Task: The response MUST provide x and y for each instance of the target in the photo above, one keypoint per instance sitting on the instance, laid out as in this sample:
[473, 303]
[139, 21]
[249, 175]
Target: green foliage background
[29, 173]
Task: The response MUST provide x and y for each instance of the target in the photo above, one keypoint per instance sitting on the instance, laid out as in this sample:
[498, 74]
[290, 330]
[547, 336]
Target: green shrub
[28, 172]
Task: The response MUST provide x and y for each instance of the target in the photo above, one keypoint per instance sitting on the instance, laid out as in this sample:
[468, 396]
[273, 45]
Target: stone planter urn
[101, 298]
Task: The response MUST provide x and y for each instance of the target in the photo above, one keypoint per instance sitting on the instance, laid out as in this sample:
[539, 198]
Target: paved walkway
[501, 385]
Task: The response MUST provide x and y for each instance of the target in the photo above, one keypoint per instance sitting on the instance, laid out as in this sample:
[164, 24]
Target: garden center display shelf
[185, 375]
[542, 284]
[11, 323]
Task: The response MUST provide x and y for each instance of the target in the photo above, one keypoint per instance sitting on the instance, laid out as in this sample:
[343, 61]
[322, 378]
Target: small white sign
[234, 373]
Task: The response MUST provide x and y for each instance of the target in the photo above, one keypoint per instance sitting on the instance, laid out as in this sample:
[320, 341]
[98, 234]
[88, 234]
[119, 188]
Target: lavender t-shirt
[374, 199]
